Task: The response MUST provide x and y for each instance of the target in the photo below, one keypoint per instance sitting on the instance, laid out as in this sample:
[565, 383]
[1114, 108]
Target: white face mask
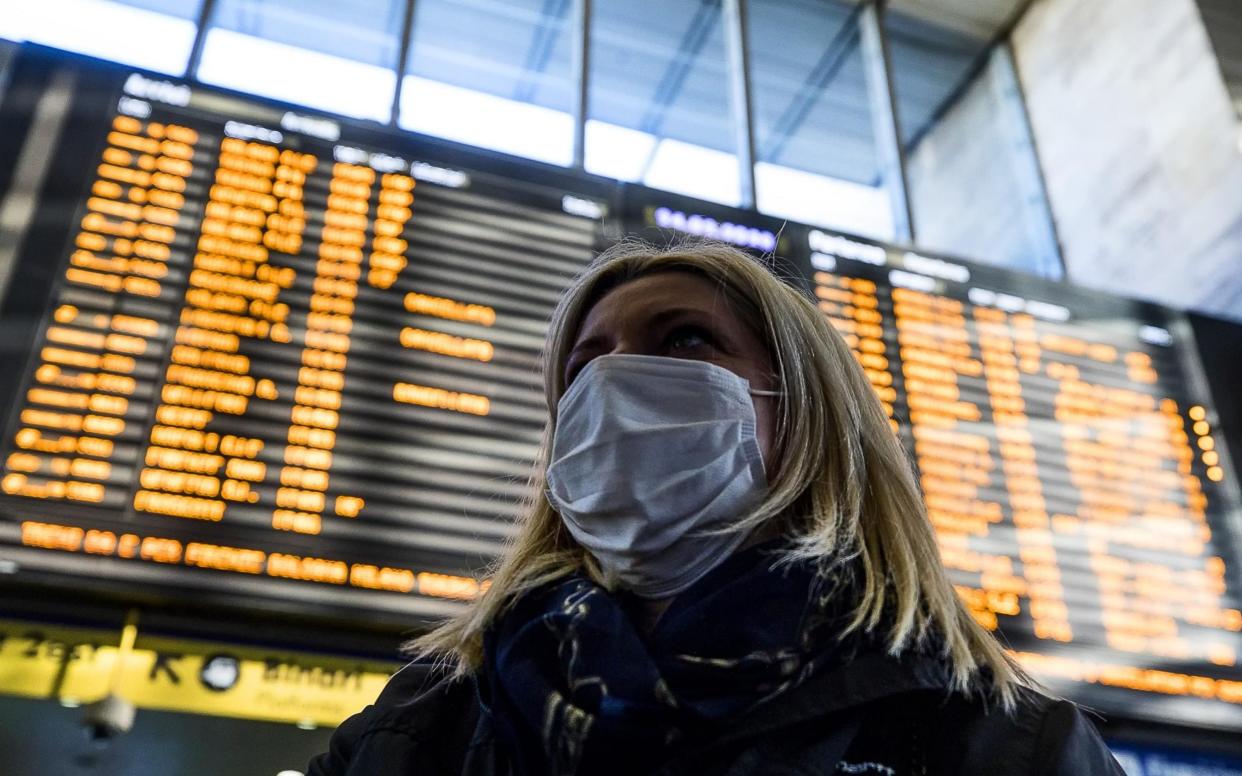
[649, 454]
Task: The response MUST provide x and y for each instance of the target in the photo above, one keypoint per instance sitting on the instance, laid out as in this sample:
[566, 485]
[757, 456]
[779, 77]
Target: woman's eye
[687, 338]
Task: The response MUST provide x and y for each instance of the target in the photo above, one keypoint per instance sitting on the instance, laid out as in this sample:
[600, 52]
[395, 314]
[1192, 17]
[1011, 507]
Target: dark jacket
[874, 716]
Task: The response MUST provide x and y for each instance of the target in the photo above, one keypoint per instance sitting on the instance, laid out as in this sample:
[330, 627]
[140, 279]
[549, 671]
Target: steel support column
[403, 58]
[741, 97]
[885, 120]
[205, 12]
[582, 69]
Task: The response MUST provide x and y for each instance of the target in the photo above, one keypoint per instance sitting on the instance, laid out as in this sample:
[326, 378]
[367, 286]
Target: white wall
[973, 180]
[1139, 145]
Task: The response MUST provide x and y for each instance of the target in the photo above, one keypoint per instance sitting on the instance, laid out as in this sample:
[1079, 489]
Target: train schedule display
[1068, 451]
[286, 361]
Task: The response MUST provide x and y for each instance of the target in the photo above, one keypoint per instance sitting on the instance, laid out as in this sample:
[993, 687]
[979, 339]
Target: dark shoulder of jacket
[421, 716]
[1041, 736]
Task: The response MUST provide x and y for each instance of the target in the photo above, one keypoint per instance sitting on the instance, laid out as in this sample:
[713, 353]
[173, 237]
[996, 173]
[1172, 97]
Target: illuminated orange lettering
[440, 307]
[51, 536]
[178, 506]
[439, 398]
[221, 558]
[298, 522]
[447, 586]
[446, 344]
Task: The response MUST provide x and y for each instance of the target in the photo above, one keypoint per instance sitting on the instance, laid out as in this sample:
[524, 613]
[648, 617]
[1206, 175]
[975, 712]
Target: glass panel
[493, 74]
[149, 34]
[339, 57]
[973, 180]
[815, 146]
[659, 99]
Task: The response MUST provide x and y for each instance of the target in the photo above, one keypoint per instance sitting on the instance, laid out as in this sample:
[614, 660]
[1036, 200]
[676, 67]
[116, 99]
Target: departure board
[1068, 453]
[273, 350]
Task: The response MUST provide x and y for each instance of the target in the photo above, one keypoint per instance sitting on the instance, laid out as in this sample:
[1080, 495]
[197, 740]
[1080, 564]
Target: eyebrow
[672, 313]
[657, 319]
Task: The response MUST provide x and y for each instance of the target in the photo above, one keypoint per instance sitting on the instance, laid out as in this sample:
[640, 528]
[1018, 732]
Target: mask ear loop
[765, 393]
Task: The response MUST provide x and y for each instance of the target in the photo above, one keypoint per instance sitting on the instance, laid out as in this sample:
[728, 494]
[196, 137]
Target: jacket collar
[869, 677]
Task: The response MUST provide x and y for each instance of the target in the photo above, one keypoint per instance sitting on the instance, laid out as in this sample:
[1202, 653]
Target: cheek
[765, 427]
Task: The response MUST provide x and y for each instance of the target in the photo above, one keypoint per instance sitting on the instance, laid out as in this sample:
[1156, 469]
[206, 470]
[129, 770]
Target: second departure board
[1068, 453]
[260, 358]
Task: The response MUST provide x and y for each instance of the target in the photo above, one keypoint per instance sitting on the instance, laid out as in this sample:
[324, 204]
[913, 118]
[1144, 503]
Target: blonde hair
[841, 483]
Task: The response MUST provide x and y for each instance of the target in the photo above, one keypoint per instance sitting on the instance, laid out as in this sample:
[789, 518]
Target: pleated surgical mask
[652, 456]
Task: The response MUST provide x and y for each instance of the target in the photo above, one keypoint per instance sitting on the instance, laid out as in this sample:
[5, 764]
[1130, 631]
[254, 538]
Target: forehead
[640, 298]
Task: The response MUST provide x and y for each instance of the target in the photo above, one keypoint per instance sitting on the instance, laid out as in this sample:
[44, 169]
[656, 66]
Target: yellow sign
[37, 660]
[189, 676]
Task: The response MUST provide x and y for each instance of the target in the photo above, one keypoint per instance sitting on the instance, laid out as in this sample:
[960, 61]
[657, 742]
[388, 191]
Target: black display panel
[288, 357]
[1069, 453]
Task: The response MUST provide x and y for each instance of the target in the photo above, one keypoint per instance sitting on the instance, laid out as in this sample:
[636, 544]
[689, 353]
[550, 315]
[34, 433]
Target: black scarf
[575, 688]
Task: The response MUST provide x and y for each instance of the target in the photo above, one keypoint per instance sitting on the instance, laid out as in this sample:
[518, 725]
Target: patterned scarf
[575, 688]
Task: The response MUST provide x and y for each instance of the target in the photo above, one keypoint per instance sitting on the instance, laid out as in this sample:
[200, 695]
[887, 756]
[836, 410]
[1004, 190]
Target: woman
[725, 567]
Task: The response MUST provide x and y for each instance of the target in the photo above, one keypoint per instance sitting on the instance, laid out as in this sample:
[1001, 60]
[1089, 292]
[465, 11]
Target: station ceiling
[661, 66]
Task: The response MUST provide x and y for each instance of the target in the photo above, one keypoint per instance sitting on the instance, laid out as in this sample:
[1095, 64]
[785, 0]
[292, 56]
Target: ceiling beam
[542, 44]
[817, 80]
[704, 21]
